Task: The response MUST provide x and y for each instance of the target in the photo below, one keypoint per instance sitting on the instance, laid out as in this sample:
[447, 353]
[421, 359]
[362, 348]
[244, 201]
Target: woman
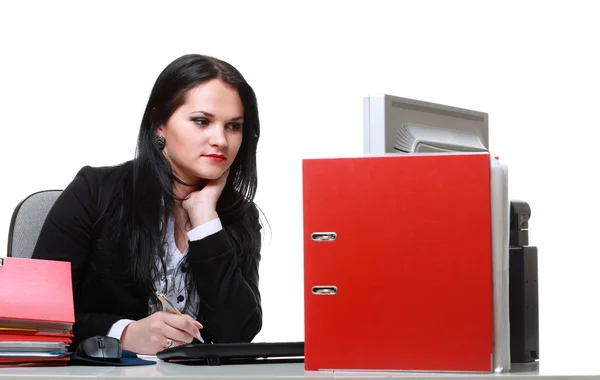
[179, 219]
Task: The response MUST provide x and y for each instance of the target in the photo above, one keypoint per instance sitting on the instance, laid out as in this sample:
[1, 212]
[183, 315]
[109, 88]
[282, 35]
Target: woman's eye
[200, 121]
[235, 126]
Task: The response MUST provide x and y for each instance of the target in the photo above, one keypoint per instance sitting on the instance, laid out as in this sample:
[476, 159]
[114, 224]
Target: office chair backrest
[27, 221]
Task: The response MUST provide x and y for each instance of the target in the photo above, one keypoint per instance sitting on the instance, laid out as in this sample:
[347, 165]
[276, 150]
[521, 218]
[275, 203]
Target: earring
[159, 141]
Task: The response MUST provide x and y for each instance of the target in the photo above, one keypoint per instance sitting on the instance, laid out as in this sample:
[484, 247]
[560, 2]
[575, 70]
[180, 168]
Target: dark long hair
[147, 198]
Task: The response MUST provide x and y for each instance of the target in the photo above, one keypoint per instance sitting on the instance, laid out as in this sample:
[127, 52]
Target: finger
[177, 334]
[195, 322]
[182, 323]
[178, 343]
[165, 343]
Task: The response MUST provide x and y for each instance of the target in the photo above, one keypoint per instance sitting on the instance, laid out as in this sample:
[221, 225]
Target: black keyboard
[235, 353]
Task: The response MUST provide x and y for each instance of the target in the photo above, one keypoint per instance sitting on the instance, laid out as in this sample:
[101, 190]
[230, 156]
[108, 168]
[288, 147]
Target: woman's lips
[215, 157]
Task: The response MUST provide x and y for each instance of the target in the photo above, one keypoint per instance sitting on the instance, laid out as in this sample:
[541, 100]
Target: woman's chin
[206, 175]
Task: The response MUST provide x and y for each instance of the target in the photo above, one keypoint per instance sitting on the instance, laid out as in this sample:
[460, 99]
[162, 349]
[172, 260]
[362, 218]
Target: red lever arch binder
[398, 264]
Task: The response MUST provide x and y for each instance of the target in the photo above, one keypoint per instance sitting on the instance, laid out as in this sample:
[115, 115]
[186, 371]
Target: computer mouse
[103, 348]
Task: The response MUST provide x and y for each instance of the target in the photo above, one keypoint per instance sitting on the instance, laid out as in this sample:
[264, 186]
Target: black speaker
[523, 287]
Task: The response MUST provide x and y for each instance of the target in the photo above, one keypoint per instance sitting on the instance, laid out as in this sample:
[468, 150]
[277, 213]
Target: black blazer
[230, 304]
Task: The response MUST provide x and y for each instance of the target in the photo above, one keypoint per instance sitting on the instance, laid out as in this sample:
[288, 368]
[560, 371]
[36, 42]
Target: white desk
[531, 371]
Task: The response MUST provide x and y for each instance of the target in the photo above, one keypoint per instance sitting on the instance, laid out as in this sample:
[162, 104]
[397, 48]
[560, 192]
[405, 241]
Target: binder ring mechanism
[323, 236]
[324, 290]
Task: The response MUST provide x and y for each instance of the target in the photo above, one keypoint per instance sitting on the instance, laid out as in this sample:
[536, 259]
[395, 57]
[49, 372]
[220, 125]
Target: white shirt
[172, 285]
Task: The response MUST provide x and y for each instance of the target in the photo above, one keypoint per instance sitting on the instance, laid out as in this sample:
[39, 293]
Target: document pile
[36, 312]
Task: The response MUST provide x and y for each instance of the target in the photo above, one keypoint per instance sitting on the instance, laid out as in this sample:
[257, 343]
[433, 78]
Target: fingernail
[199, 337]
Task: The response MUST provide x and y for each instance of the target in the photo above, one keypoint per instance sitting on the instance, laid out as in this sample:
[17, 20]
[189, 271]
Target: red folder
[36, 312]
[36, 294]
[398, 263]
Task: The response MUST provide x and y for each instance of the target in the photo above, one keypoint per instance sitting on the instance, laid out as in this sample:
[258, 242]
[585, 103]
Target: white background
[75, 77]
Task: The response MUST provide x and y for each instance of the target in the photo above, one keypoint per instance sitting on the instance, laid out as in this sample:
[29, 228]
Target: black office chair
[27, 221]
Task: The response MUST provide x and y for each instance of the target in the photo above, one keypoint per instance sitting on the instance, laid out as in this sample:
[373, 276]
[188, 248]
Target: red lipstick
[215, 157]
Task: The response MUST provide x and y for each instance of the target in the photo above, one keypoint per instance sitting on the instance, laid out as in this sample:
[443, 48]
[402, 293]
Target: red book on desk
[398, 263]
[36, 310]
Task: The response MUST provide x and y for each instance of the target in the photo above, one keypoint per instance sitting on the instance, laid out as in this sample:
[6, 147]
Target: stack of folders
[36, 312]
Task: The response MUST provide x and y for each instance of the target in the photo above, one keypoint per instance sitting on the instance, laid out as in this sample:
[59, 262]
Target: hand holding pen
[173, 310]
[160, 331]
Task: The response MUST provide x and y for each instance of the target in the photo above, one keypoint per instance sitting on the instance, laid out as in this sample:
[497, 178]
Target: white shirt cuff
[117, 328]
[205, 229]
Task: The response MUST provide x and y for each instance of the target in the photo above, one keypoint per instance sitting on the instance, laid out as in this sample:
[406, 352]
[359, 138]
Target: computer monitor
[405, 126]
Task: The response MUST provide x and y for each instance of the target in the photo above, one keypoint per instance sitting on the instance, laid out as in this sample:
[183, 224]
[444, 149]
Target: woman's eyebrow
[208, 114]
